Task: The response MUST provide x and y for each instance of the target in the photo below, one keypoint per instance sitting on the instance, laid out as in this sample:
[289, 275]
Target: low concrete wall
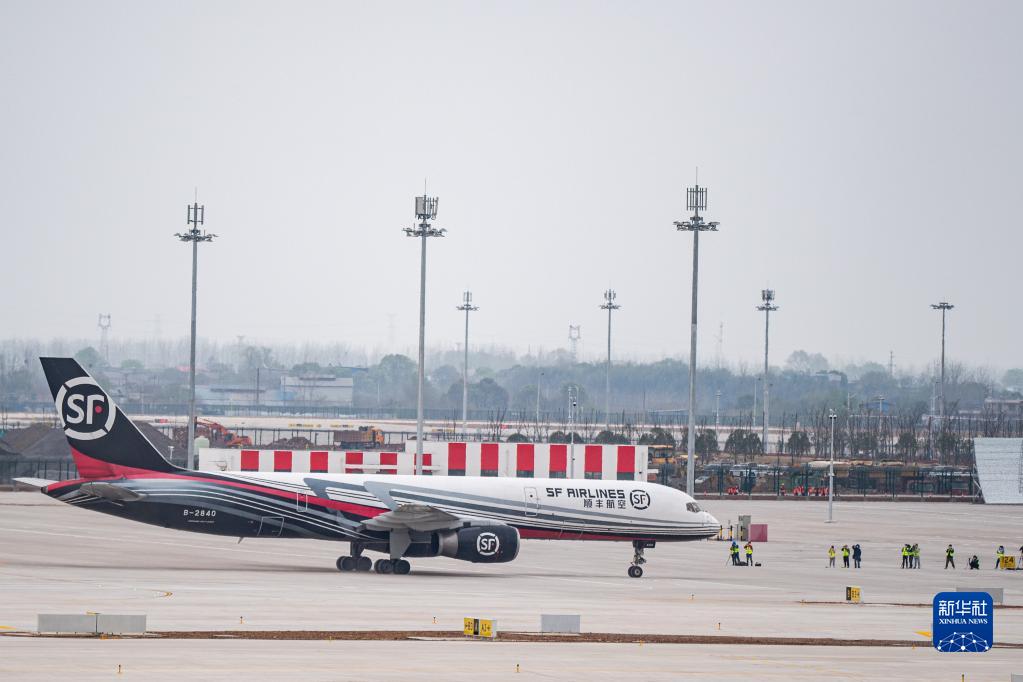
[553, 622]
[91, 624]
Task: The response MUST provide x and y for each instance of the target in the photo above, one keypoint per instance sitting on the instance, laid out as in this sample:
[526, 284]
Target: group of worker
[911, 555]
[734, 552]
[855, 552]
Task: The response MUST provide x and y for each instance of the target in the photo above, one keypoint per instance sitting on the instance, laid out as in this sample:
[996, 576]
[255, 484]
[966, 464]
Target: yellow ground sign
[852, 595]
[479, 627]
[1009, 563]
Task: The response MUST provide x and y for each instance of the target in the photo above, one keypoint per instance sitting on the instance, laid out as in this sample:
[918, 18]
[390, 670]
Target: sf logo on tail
[84, 409]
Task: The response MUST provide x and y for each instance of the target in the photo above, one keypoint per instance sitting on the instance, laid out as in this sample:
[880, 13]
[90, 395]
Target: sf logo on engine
[639, 499]
[84, 409]
[487, 544]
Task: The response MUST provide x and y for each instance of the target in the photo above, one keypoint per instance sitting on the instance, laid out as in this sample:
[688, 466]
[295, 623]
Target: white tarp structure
[1000, 469]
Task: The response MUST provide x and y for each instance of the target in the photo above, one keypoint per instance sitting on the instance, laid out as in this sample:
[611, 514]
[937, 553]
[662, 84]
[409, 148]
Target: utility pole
[608, 305]
[572, 403]
[767, 296]
[717, 410]
[468, 307]
[696, 200]
[944, 307]
[426, 210]
[196, 216]
[831, 467]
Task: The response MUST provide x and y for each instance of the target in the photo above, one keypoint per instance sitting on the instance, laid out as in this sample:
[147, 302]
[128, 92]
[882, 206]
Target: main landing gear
[395, 566]
[354, 563]
[636, 569]
[358, 562]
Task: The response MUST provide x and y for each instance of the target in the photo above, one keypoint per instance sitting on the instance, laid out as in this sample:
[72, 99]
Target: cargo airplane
[468, 518]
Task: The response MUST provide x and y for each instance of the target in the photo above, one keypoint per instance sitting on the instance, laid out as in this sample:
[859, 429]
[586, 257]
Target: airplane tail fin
[104, 441]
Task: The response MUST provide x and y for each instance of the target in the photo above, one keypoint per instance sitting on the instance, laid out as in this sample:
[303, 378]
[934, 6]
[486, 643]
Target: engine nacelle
[480, 544]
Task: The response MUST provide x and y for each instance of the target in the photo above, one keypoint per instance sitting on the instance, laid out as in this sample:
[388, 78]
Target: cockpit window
[693, 507]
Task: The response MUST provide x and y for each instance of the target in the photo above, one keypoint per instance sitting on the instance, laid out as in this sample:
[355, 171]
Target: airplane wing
[419, 517]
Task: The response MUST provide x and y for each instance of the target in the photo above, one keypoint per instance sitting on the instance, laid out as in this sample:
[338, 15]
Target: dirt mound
[296, 443]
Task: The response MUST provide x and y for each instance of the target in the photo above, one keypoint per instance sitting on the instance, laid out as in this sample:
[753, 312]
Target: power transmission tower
[574, 334]
[104, 328]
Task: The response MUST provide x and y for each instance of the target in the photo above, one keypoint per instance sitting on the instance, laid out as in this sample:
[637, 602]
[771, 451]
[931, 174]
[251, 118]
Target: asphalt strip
[533, 637]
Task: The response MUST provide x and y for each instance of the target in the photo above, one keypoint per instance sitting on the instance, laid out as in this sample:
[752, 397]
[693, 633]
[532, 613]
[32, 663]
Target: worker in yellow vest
[999, 555]
[749, 553]
[950, 555]
[831, 556]
[905, 556]
[845, 556]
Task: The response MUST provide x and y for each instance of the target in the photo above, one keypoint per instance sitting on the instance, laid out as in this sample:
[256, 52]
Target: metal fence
[50, 469]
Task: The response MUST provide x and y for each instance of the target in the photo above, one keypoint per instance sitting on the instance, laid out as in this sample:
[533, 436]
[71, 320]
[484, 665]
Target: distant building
[328, 390]
[831, 376]
[295, 391]
[1010, 407]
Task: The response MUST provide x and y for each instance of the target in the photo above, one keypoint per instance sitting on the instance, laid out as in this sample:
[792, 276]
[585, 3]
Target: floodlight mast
[196, 217]
[608, 305]
[426, 210]
[696, 200]
[944, 307]
[767, 296]
[831, 467]
[468, 307]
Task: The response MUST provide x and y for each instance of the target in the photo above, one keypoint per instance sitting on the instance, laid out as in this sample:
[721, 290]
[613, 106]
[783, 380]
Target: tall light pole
[426, 210]
[696, 200]
[717, 410]
[831, 467]
[608, 305]
[572, 404]
[468, 307]
[944, 307]
[767, 296]
[196, 216]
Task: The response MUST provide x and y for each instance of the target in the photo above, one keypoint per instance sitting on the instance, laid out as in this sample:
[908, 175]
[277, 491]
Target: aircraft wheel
[402, 567]
[345, 563]
[386, 566]
[635, 572]
[364, 564]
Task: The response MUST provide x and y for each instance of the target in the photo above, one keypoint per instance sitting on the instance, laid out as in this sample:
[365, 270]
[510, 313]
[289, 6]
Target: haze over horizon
[861, 161]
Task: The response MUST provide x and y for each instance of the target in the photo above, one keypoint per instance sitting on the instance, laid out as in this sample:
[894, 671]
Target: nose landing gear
[636, 569]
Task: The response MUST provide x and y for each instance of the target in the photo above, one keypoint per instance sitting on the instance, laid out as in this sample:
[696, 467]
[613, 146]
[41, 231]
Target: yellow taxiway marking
[923, 633]
[7, 627]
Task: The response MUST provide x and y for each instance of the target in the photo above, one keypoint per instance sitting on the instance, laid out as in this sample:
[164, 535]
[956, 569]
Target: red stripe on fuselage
[131, 473]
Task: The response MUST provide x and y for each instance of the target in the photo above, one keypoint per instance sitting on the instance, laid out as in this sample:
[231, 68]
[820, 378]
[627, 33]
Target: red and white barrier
[523, 460]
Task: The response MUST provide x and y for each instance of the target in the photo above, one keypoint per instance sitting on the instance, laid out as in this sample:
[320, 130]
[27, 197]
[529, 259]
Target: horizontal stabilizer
[31, 483]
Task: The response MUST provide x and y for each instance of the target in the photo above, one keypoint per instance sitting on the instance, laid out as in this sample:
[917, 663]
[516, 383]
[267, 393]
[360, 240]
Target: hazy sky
[863, 160]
